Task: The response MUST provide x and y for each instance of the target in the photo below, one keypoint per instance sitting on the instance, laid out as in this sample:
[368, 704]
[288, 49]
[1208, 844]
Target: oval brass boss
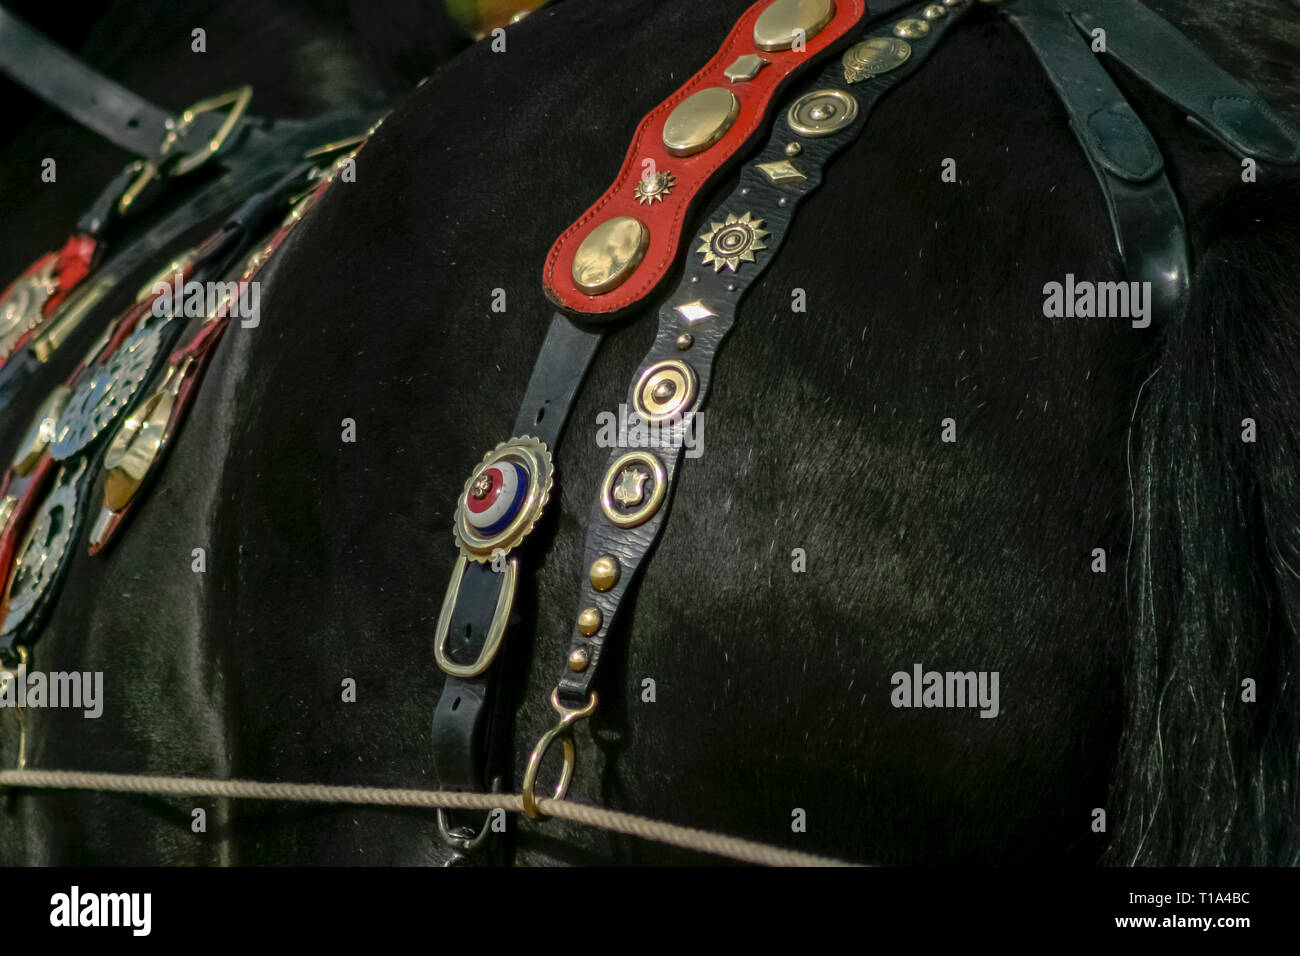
[610, 254]
[777, 26]
[700, 120]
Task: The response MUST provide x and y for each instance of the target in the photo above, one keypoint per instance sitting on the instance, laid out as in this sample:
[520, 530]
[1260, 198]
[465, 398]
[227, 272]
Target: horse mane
[1205, 777]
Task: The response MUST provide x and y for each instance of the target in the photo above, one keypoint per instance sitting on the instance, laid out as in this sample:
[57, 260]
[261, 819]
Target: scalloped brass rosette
[503, 498]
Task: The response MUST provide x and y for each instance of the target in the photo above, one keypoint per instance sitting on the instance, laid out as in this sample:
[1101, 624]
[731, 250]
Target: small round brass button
[589, 621]
[784, 21]
[700, 120]
[610, 254]
[578, 660]
[604, 573]
[822, 113]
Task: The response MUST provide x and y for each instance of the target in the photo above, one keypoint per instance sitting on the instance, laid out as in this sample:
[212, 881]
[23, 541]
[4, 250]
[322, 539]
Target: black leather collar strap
[742, 238]
[1144, 212]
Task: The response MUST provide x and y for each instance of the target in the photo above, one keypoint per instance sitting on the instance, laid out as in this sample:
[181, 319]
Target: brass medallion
[43, 549]
[785, 21]
[874, 57]
[503, 498]
[41, 432]
[700, 120]
[624, 497]
[822, 113]
[728, 244]
[610, 254]
[665, 390]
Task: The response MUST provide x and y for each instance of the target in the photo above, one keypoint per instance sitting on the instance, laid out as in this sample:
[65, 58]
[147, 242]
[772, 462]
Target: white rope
[689, 838]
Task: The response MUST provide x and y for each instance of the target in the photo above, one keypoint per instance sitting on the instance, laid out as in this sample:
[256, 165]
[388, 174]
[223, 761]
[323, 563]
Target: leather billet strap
[741, 239]
[622, 248]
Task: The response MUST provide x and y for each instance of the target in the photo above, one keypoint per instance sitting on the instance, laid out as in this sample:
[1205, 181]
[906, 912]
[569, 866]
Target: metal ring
[564, 731]
[467, 845]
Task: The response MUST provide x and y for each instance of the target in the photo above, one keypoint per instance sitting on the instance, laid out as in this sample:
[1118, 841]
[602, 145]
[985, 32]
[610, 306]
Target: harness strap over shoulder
[1150, 233]
[1167, 62]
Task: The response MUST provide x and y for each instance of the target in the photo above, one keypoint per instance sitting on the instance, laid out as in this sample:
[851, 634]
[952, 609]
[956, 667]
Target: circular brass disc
[610, 254]
[874, 57]
[775, 28]
[822, 113]
[664, 390]
[624, 498]
[700, 120]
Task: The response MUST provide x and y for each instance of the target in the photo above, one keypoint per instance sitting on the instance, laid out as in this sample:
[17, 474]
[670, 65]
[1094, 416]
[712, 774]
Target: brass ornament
[610, 254]
[20, 310]
[822, 112]
[744, 68]
[780, 24]
[534, 458]
[695, 311]
[653, 189]
[685, 341]
[589, 621]
[793, 149]
[728, 244]
[604, 572]
[168, 273]
[665, 390]
[101, 397]
[41, 432]
[623, 496]
[43, 549]
[7, 507]
[934, 11]
[874, 57]
[137, 446]
[781, 171]
[911, 28]
[578, 659]
[700, 120]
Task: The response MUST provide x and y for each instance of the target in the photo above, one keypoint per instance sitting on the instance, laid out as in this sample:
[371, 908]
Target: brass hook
[564, 732]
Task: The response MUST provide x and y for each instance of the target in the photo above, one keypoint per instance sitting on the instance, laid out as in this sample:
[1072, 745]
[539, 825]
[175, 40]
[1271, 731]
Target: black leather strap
[1166, 61]
[34, 61]
[1150, 233]
[768, 196]
[468, 707]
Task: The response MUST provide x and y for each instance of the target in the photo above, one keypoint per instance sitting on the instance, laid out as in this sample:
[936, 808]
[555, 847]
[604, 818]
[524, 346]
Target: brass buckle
[237, 100]
[564, 732]
[496, 631]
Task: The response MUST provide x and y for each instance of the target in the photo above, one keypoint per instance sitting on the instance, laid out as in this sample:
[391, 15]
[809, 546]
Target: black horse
[327, 559]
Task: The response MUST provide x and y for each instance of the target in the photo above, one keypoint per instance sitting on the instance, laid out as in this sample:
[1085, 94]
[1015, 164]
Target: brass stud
[610, 254]
[700, 120]
[604, 572]
[784, 21]
[578, 659]
[589, 621]
[685, 341]
[744, 68]
[934, 11]
[911, 28]
[793, 149]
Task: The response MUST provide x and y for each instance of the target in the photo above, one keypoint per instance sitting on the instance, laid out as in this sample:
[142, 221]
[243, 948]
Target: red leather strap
[666, 220]
[75, 260]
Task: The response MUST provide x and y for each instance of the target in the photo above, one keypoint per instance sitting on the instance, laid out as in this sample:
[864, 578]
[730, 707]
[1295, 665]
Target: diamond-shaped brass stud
[744, 68]
[781, 171]
[695, 311]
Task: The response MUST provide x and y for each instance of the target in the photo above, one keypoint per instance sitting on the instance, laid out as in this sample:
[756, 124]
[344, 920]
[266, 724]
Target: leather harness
[746, 230]
[606, 268]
